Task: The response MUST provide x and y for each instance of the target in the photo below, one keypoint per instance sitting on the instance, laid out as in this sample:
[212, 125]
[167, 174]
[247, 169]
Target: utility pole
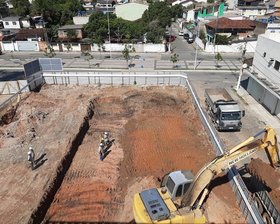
[196, 49]
[244, 66]
[108, 19]
[216, 26]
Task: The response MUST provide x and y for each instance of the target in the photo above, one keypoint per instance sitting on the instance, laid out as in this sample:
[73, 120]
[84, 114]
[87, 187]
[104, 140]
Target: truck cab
[229, 117]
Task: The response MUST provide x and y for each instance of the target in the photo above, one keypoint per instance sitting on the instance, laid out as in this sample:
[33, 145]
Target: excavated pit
[39, 213]
[268, 177]
[156, 130]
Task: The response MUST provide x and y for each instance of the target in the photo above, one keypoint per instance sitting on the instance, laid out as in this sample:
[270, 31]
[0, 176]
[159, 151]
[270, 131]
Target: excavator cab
[177, 183]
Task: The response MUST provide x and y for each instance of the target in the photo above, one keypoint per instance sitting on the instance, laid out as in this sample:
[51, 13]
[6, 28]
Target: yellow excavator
[180, 197]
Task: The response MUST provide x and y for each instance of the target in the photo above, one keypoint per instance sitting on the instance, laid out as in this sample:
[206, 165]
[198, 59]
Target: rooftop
[23, 34]
[71, 27]
[11, 18]
[226, 23]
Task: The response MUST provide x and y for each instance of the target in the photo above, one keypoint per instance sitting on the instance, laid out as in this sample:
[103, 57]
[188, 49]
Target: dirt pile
[269, 176]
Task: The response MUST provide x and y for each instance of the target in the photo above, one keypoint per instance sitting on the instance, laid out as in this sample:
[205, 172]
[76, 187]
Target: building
[12, 22]
[240, 29]
[253, 12]
[70, 32]
[81, 19]
[130, 11]
[264, 83]
[203, 11]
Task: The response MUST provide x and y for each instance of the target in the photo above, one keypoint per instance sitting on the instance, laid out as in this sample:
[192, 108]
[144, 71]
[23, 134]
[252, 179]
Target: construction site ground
[156, 130]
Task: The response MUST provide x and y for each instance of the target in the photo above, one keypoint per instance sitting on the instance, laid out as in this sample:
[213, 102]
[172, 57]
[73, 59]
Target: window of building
[6, 23]
[277, 65]
[264, 54]
[14, 23]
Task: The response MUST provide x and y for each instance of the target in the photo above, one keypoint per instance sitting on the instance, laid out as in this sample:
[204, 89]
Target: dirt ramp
[269, 176]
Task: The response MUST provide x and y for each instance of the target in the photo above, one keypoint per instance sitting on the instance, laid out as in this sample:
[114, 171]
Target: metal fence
[15, 97]
[243, 196]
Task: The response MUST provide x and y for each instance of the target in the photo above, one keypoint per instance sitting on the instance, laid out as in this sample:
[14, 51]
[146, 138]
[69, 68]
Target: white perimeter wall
[233, 48]
[117, 47]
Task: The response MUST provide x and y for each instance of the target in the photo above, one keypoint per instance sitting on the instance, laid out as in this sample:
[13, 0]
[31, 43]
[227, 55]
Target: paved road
[252, 122]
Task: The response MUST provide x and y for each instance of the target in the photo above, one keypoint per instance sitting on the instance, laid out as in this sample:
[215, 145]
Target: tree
[222, 40]
[177, 11]
[49, 51]
[56, 12]
[100, 46]
[202, 36]
[126, 53]
[174, 58]
[218, 58]
[71, 34]
[21, 7]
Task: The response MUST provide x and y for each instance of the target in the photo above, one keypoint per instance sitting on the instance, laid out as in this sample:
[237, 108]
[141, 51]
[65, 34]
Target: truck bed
[218, 94]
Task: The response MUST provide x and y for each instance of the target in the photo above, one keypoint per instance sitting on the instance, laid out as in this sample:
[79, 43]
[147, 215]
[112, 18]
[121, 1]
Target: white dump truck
[223, 110]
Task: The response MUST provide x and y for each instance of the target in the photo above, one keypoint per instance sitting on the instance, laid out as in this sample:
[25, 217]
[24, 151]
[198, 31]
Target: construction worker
[106, 139]
[31, 157]
[101, 151]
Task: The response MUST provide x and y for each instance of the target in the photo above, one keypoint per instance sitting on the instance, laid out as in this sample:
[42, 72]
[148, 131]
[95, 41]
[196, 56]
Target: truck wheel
[266, 218]
[258, 204]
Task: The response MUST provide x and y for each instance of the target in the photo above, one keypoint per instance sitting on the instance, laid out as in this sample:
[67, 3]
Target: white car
[181, 33]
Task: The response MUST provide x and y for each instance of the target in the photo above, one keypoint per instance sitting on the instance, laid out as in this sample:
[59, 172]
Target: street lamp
[244, 66]
[109, 30]
[196, 49]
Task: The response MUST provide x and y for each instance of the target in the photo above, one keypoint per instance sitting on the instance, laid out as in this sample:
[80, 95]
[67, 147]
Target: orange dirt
[156, 130]
[269, 176]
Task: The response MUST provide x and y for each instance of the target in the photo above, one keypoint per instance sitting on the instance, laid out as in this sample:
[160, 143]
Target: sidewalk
[140, 64]
[267, 118]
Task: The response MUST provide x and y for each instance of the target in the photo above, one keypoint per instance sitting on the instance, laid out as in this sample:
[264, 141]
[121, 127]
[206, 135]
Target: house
[203, 11]
[277, 9]
[31, 34]
[12, 22]
[252, 12]
[264, 83]
[130, 11]
[31, 39]
[105, 6]
[39, 22]
[225, 26]
[184, 3]
[70, 32]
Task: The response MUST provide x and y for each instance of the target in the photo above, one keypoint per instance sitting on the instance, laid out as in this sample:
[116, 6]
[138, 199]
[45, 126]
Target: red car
[171, 38]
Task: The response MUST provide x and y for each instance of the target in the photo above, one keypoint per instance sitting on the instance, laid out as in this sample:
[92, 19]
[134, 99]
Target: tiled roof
[226, 23]
[70, 27]
[23, 34]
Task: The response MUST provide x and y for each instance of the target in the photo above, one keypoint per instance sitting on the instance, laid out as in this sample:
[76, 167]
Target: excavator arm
[264, 140]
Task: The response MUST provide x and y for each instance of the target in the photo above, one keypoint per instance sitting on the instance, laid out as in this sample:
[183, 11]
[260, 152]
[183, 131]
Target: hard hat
[30, 148]
[101, 144]
[106, 133]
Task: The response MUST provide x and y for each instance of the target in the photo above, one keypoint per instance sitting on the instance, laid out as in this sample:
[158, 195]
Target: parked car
[189, 37]
[181, 33]
[170, 38]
